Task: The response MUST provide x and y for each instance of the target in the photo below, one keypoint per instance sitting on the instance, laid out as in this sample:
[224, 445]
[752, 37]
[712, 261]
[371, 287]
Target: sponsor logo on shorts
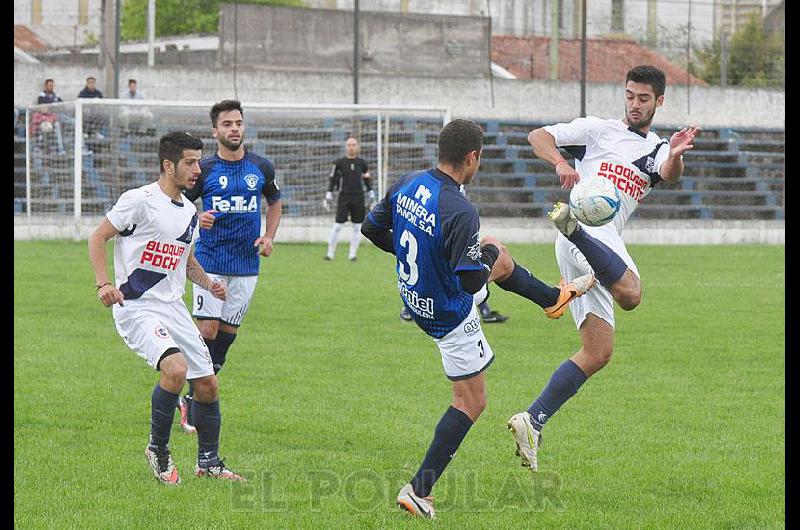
[161, 332]
[473, 326]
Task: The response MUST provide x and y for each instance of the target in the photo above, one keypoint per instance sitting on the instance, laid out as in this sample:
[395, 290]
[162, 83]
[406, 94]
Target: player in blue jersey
[231, 184]
[443, 268]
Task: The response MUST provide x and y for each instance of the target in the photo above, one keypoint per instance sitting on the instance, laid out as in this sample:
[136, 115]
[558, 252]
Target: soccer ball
[594, 201]
[46, 126]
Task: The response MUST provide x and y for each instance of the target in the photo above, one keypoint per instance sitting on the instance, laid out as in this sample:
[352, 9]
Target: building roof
[608, 60]
[27, 40]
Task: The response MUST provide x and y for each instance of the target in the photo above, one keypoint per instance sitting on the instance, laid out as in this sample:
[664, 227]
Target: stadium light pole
[355, 52]
[583, 58]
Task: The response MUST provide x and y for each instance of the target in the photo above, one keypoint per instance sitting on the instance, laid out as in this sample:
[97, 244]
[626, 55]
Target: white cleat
[563, 219]
[526, 437]
[163, 466]
[410, 502]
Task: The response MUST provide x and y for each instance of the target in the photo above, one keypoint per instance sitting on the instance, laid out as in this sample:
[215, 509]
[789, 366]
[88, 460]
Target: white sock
[355, 240]
[334, 238]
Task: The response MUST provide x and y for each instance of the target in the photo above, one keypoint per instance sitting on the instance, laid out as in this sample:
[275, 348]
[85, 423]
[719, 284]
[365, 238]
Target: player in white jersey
[635, 159]
[153, 228]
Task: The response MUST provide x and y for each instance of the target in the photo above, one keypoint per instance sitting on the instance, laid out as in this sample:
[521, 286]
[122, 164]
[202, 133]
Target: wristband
[98, 287]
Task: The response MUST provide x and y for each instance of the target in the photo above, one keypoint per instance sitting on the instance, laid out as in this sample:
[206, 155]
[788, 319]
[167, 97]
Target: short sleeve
[462, 241]
[574, 133]
[127, 212]
[661, 155]
[271, 190]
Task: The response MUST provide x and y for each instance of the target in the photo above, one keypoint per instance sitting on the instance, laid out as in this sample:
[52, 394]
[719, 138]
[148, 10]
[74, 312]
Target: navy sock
[221, 345]
[207, 420]
[607, 265]
[563, 384]
[525, 284]
[449, 434]
[162, 411]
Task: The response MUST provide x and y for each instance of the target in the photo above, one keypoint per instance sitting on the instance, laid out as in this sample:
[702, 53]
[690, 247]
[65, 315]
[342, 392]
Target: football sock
[162, 411]
[607, 265]
[525, 284]
[207, 420]
[221, 345]
[334, 238]
[449, 434]
[563, 384]
[355, 239]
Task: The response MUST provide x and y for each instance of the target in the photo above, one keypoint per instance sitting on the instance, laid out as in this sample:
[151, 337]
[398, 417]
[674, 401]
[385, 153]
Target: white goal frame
[381, 114]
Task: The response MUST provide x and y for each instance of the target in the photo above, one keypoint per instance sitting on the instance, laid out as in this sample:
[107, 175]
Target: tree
[179, 17]
[755, 59]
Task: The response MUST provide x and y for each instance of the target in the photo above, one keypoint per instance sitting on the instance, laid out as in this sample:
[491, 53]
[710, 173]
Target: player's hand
[264, 245]
[682, 141]
[371, 198]
[218, 290]
[207, 219]
[110, 295]
[567, 174]
[326, 202]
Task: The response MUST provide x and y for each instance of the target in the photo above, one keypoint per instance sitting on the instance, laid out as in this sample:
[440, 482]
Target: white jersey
[152, 248]
[611, 149]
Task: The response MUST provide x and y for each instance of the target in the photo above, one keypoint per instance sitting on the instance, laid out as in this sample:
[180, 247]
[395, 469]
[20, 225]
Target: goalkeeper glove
[326, 202]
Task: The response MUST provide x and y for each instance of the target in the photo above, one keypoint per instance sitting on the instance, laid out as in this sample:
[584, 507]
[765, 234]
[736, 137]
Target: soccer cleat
[404, 314]
[217, 471]
[569, 292]
[163, 467]
[410, 502]
[328, 257]
[493, 316]
[563, 219]
[185, 407]
[526, 437]
[353, 258]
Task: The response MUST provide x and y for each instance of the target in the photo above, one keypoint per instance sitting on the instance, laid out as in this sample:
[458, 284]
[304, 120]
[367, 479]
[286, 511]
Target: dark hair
[457, 139]
[649, 75]
[48, 81]
[91, 79]
[223, 106]
[131, 81]
[172, 145]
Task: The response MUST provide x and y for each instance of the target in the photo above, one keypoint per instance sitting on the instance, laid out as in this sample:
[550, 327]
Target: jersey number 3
[409, 242]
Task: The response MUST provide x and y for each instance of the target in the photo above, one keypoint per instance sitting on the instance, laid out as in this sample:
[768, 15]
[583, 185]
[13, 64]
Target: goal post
[82, 155]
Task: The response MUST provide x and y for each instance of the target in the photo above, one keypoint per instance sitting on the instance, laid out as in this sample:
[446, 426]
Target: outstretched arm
[680, 142]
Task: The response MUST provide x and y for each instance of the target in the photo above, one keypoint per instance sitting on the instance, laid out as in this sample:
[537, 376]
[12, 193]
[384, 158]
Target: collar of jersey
[170, 199]
[441, 175]
[216, 155]
[636, 131]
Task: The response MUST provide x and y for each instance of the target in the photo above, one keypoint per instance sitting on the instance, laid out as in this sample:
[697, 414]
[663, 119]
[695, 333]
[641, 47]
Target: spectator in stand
[90, 90]
[45, 122]
[136, 118]
[132, 92]
[48, 95]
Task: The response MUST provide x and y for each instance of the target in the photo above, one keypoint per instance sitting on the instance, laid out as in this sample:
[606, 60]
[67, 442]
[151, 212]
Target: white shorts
[465, 351]
[573, 263]
[231, 311]
[150, 328]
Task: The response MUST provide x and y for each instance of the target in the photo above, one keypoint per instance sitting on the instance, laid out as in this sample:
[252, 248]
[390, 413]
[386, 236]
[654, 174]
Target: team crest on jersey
[251, 181]
[161, 332]
[650, 165]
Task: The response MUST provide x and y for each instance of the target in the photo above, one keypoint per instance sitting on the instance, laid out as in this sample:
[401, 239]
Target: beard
[643, 122]
[232, 145]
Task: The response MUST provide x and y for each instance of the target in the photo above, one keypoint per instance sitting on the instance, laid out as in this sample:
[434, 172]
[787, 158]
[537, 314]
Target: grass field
[329, 403]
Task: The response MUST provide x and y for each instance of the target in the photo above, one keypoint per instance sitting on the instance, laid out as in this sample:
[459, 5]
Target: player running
[635, 159]
[153, 227]
[443, 269]
[231, 185]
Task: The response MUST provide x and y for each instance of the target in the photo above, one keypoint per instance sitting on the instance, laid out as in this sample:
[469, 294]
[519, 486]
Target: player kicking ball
[443, 269]
[635, 159]
[152, 227]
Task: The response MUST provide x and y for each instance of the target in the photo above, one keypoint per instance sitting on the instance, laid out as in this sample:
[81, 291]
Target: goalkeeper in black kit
[350, 175]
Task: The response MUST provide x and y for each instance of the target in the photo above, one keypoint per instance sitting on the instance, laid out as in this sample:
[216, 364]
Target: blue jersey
[435, 230]
[234, 190]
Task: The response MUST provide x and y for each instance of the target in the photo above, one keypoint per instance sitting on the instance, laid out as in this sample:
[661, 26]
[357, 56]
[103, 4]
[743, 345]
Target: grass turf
[329, 403]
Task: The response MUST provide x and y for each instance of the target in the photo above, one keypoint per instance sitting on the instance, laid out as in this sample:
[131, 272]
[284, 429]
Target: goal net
[82, 155]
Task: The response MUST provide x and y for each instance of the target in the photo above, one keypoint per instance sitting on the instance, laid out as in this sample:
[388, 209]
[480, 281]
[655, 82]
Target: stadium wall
[510, 230]
[501, 99]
